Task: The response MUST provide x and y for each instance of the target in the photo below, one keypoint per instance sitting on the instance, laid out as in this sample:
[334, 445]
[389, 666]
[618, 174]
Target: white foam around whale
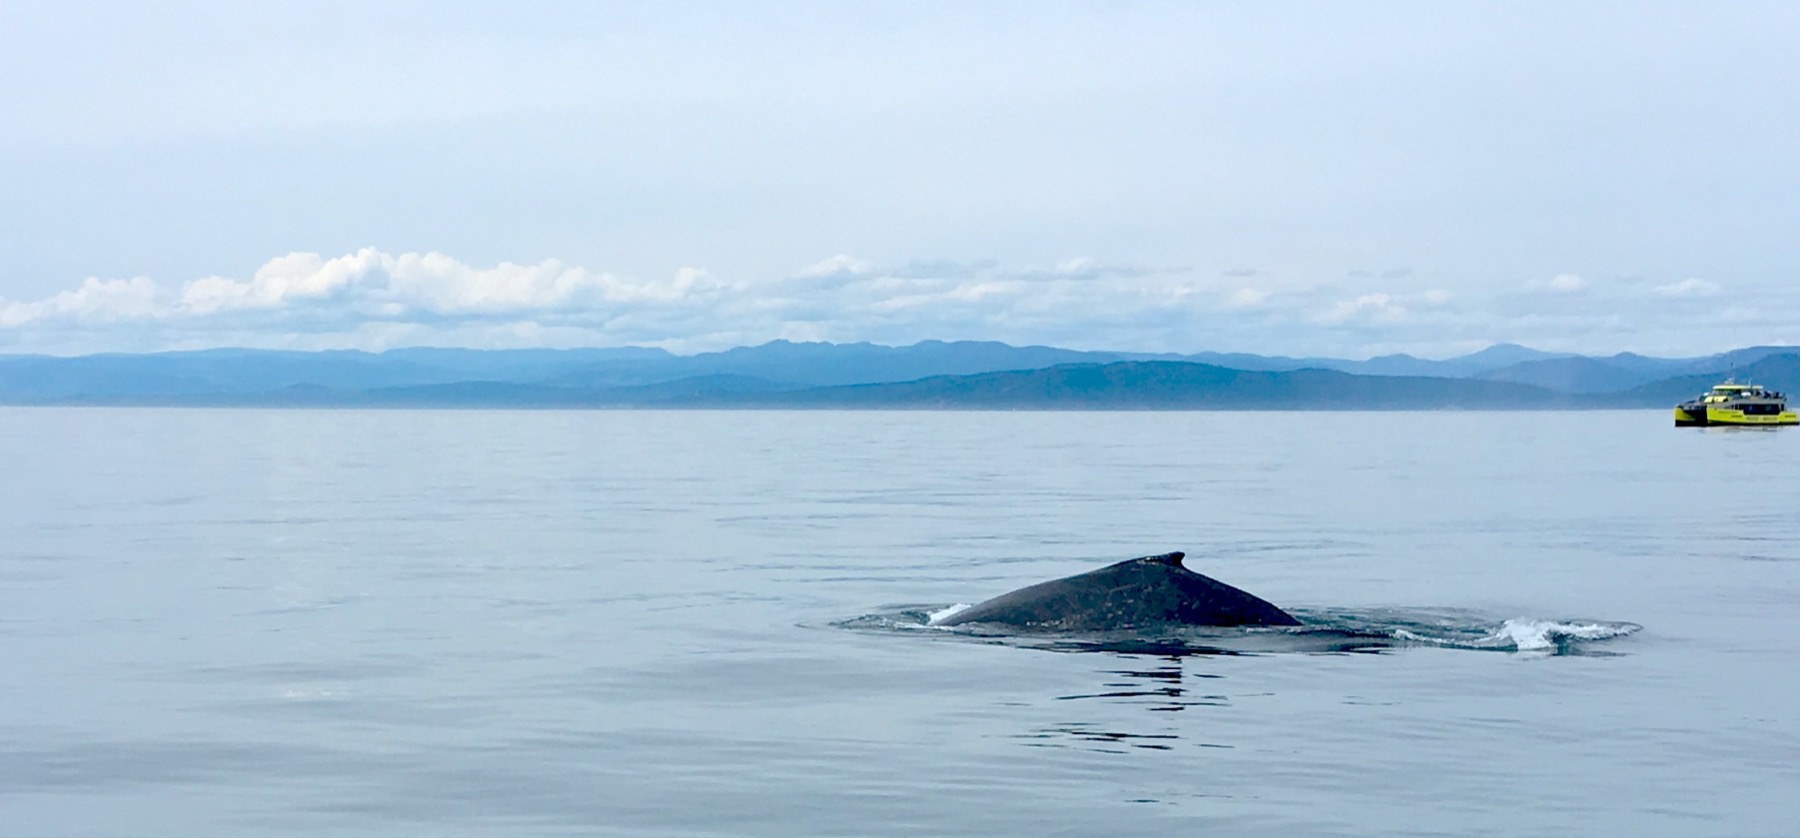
[1545, 635]
[944, 613]
[1527, 635]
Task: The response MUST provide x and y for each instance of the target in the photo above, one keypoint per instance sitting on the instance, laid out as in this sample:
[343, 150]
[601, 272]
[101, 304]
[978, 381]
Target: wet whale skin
[1132, 594]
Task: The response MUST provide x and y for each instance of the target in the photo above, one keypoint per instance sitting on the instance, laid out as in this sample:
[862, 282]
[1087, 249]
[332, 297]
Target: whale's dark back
[1136, 593]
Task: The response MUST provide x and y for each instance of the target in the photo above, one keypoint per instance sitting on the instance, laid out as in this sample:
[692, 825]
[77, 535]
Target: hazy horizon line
[652, 347]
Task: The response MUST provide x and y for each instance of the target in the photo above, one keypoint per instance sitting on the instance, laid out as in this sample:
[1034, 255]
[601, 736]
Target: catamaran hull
[1698, 417]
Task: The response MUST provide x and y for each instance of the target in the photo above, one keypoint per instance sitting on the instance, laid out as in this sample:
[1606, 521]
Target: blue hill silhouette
[931, 373]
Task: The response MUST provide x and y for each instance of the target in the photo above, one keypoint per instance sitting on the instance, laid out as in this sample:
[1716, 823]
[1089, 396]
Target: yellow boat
[1732, 403]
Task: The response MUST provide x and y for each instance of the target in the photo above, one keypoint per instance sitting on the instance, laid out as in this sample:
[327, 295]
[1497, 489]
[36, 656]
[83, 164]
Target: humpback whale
[1135, 593]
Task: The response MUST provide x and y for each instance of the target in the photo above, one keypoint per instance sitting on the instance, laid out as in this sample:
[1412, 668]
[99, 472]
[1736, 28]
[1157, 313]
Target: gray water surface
[640, 623]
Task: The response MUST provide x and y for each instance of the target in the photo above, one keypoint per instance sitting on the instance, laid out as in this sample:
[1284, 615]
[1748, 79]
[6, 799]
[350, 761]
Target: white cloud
[1247, 298]
[96, 301]
[1690, 287]
[1567, 283]
[367, 284]
[307, 292]
[1560, 284]
[370, 299]
[839, 265]
[1085, 268]
[285, 280]
[1376, 308]
[942, 269]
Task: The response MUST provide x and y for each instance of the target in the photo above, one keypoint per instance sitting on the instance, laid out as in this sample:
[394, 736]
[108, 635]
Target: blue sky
[1296, 178]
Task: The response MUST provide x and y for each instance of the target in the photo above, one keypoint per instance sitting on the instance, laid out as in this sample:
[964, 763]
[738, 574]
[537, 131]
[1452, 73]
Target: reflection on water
[1084, 732]
[1162, 685]
[1368, 631]
[1159, 676]
[1158, 685]
[1215, 642]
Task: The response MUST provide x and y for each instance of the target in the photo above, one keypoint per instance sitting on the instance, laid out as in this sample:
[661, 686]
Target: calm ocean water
[220, 623]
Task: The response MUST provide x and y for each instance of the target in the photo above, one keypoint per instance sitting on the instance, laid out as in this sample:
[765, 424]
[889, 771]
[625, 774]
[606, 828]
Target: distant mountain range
[932, 374]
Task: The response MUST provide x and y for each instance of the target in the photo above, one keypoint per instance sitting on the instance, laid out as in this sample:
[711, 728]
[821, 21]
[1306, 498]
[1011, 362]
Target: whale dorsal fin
[1171, 559]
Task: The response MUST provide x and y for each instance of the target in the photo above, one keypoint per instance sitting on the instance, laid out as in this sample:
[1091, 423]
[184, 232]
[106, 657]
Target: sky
[1326, 179]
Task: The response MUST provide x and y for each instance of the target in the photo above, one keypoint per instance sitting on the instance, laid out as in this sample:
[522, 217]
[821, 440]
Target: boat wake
[1321, 631]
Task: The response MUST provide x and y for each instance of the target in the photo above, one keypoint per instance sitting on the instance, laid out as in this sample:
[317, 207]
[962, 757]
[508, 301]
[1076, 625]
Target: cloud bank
[373, 300]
